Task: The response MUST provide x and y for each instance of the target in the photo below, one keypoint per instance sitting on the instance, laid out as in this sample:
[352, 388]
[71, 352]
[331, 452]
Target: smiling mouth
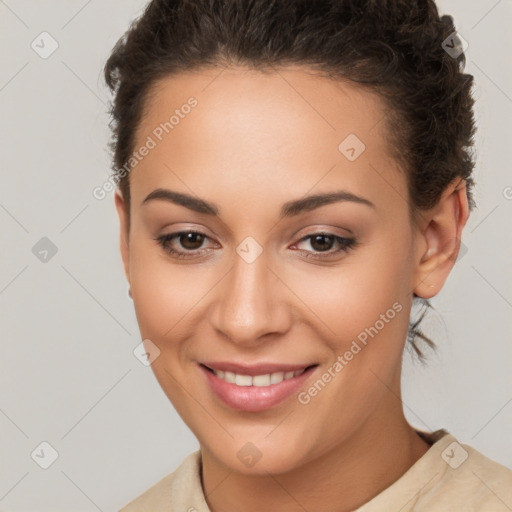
[261, 380]
[255, 388]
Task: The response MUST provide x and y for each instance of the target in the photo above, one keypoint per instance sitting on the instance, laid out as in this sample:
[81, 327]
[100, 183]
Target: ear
[439, 239]
[122, 212]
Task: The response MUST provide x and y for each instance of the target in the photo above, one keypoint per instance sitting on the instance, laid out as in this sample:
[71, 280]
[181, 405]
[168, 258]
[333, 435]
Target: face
[280, 318]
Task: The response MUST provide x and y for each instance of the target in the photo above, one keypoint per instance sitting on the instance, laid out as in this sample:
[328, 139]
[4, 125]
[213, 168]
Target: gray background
[68, 375]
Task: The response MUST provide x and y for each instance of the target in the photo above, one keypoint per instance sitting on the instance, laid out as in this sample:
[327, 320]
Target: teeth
[262, 380]
[257, 380]
[243, 380]
[228, 376]
[277, 377]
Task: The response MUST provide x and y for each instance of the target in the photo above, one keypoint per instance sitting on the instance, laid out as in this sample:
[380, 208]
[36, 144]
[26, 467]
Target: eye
[190, 241]
[323, 244]
[189, 244]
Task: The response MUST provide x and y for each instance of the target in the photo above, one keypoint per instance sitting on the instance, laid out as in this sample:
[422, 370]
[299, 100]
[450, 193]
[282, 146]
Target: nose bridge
[249, 305]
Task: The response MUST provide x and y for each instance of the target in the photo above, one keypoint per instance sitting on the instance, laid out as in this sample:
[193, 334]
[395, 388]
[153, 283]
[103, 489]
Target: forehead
[247, 128]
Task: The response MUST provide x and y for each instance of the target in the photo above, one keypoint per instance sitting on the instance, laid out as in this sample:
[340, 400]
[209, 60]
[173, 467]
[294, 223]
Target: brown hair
[396, 47]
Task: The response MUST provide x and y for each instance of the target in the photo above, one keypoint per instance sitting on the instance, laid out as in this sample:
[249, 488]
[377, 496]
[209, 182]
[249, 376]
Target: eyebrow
[289, 209]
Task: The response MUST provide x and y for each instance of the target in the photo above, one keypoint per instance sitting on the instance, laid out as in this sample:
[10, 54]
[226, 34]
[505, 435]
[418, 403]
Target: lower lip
[254, 398]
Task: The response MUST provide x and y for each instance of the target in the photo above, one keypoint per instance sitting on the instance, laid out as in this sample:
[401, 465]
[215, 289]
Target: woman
[293, 176]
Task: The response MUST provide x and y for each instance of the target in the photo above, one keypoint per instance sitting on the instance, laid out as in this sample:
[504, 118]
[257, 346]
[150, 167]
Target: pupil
[318, 239]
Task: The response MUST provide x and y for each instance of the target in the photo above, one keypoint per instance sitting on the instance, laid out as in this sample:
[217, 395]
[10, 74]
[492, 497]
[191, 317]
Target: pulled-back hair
[397, 48]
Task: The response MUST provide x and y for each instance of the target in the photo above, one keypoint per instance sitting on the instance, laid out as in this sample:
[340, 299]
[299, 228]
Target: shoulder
[484, 483]
[180, 490]
[450, 476]
[462, 478]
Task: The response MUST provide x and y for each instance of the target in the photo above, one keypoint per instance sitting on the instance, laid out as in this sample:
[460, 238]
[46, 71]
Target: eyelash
[346, 244]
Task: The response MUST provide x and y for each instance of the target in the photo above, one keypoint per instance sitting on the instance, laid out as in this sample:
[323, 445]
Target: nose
[251, 304]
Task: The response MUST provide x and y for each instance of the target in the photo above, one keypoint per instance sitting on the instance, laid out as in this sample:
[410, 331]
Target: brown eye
[325, 245]
[185, 244]
[191, 240]
[322, 242]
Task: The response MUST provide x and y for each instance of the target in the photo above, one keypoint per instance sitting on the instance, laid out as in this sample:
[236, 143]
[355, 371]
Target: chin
[260, 458]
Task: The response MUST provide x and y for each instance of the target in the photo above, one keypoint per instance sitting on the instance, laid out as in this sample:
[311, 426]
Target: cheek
[366, 306]
[351, 296]
[163, 292]
[164, 296]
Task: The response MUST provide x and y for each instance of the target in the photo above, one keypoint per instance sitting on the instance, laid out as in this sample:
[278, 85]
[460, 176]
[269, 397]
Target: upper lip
[254, 369]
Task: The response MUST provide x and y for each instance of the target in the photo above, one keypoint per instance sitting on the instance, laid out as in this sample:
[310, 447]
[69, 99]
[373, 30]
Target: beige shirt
[449, 477]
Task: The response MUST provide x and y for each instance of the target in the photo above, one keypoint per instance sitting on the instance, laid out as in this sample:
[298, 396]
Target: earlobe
[122, 212]
[440, 239]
